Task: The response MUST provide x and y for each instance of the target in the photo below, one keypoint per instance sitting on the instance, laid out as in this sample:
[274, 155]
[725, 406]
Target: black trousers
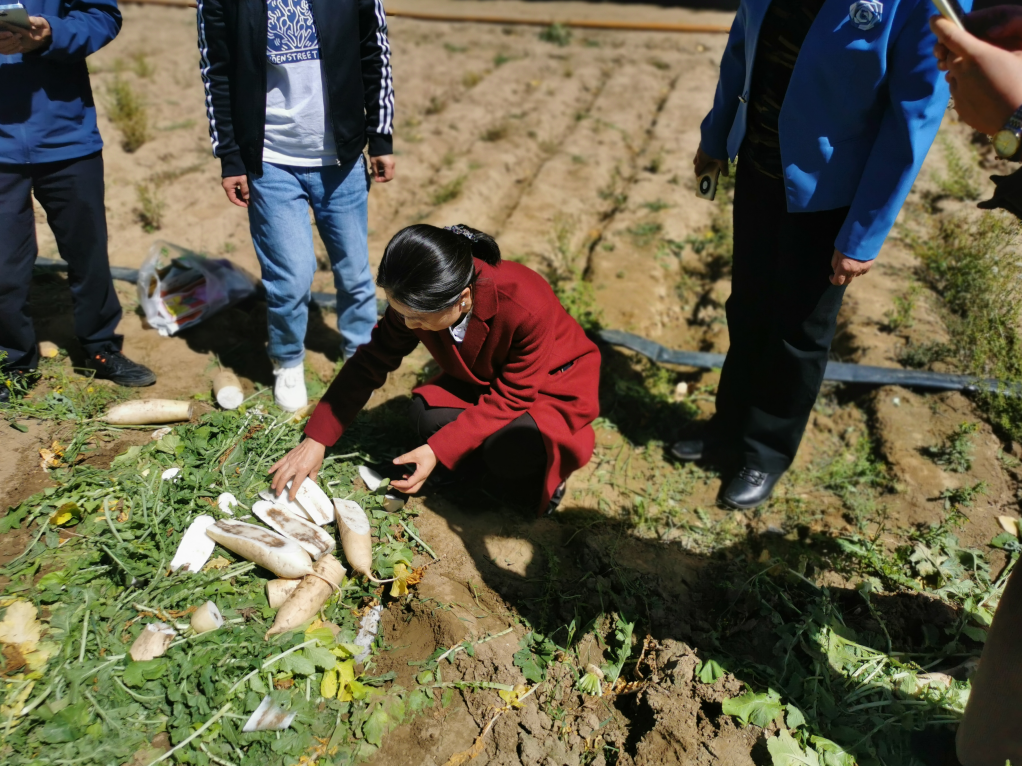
[71, 192]
[781, 316]
[515, 451]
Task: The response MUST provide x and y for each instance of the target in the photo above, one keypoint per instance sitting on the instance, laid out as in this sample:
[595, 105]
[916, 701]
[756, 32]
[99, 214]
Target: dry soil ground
[577, 158]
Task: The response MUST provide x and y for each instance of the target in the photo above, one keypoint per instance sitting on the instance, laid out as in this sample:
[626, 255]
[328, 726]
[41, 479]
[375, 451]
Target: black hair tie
[462, 231]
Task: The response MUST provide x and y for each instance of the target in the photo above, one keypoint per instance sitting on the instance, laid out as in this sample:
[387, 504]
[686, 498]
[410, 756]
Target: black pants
[515, 451]
[781, 317]
[71, 192]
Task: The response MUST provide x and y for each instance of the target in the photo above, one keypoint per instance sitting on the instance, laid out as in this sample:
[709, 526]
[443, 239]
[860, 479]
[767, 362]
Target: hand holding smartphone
[15, 15]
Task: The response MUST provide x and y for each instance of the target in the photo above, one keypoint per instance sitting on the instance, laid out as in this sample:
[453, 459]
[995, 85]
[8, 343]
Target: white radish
[308, 535]
[269, 716]
[48, 349]
[159, 433]
[315, 502]
[225, 502]
[206, 618]
[282, 501]
[152, 642]
[372, 479]
[392, 503]
[227, 390]
[283, 557]
[278, 591]
[309, 597]
[170, 474]
[1009, 524]
[144, 412]
[195, 547]
[356, 542]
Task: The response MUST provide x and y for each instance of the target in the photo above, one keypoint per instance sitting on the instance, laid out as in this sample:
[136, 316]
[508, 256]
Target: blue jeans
[278, 217]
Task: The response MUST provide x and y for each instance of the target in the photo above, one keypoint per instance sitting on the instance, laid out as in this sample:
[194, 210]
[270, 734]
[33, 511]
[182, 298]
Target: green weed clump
[128, 112]
[557, 34]
[449, 192]
[960, 183]
[973, 266]
[955, 452]
[151, 205]
[900, 317]
[568, 281]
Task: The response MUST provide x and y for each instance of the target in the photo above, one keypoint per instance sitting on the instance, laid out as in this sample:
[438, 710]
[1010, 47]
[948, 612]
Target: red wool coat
[518, 341]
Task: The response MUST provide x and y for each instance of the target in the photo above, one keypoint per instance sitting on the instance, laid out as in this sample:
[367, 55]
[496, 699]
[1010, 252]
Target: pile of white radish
[296, 549]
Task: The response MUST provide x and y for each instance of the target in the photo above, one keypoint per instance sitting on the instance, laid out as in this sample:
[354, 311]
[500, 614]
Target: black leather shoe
[689, 449]
[15, 383]
[749, 489]
[113, 365]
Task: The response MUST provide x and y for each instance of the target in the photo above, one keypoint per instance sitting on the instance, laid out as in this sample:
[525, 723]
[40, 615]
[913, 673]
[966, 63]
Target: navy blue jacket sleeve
[717, 125]
[215, 64]
[377, 77]
[86, 27]
[917, 99]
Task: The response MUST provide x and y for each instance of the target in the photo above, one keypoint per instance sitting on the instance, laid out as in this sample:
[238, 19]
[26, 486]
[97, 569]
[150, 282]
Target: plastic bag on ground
[178, 288]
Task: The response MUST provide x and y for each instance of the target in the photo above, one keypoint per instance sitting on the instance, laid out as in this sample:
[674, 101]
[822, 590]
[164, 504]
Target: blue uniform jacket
[859, 116]
[47, 112]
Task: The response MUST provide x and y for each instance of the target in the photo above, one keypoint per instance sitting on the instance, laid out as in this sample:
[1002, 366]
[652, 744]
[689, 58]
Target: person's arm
[512, 394]
[717, 124]
[215, 68]
[378, 85]
[84, 29]
[365, 372]
[917, 98]
[984, 78]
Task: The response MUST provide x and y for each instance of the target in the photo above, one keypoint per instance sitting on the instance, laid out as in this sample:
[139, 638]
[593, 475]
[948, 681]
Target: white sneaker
[289, 390]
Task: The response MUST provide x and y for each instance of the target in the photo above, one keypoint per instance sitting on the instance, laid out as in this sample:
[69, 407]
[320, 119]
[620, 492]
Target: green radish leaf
[320, 657]
[709, 671]
[785, 751]
[376, 725]
[137, 673]
[831, 753]
[757, 709]
[794, 718]
[68, 725]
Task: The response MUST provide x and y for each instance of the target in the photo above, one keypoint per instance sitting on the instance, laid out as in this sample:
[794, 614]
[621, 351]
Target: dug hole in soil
[577, 158]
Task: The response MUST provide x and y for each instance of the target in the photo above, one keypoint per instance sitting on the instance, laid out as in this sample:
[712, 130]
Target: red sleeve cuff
[324, 426]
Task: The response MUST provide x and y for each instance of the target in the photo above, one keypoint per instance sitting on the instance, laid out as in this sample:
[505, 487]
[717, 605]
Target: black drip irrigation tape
[837, 372]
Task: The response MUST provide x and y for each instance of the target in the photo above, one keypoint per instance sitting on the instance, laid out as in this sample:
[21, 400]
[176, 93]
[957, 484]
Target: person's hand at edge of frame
[382, 168]
[846, 269]
[985, 80]
[20, 40]
[304, 461]
[704, 163]
[424, 461]
[236, 189]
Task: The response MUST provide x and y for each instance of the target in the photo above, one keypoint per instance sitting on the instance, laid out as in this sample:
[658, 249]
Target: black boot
[749, 489]
[111, 364]
[15, 383]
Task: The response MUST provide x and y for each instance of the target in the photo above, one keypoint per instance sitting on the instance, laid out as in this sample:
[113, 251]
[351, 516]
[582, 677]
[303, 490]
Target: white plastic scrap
[170, 474]
[269, 717]
[368, 629]
[372, 479]
[196, 546]
[225, 502]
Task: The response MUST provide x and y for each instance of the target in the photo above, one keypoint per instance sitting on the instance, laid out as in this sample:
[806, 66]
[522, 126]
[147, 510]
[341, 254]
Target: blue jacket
[859, 116]
[47, 112]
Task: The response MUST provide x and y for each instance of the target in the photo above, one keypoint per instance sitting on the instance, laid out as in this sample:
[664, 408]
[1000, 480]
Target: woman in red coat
[519, 381]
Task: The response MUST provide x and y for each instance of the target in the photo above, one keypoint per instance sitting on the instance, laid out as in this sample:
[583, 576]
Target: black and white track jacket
[356, 63]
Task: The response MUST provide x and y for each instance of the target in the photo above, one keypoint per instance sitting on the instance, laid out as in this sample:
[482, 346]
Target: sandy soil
[567, 155]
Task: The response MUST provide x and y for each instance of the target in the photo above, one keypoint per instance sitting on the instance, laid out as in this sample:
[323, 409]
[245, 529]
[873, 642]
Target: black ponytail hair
[426, 268]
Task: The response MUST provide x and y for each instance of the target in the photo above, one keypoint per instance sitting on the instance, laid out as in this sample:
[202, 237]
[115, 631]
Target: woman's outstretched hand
[424, 461]
[303, 461]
